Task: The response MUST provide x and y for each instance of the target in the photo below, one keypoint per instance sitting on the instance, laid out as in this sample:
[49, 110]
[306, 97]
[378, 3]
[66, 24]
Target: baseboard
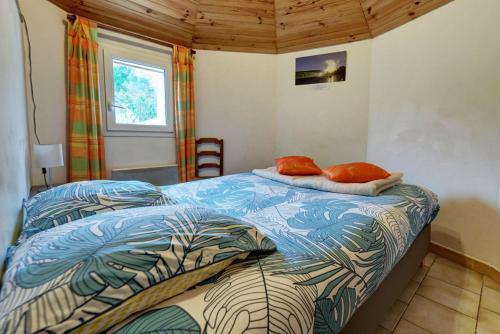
[466, 261]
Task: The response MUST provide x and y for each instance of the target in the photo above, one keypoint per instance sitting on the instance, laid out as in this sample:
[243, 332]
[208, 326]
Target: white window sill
[150, 134]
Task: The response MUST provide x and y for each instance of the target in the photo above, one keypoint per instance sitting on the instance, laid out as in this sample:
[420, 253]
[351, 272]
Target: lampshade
[47, 156]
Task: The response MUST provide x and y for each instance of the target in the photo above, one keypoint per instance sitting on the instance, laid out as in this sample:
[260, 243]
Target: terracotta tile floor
[445, 298]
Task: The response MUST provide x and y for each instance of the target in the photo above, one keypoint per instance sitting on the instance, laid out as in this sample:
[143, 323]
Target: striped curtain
[85, 139]
[185, 130]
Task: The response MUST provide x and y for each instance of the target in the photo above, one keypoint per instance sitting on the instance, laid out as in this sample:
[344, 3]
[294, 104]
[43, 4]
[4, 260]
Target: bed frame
[367, 318]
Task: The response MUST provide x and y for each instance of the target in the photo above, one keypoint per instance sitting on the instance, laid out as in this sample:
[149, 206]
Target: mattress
[333, 251]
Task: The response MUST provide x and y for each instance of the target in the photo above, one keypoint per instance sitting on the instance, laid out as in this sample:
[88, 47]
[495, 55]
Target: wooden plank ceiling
[263, 26]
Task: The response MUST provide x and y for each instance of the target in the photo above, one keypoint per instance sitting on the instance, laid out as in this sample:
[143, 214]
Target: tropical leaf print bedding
[333, 251]
[86, 275]
[78, 200]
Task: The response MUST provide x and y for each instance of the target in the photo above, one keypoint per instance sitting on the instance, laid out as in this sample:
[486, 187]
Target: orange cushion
[355, 172]
[297, 165]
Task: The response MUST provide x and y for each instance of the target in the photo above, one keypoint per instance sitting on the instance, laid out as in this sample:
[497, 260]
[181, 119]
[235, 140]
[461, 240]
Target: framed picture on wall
[325, 68]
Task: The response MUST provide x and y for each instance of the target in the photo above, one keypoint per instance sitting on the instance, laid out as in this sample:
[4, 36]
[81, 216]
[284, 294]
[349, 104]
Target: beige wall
[236, 101]
[46, 28]
[14, 174]
[435, 114]
[326, 121]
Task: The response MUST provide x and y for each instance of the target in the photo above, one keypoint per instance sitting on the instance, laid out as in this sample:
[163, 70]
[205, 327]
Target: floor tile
[408, 293]
[437, 318]
[490, 299]
[489, 283]
[395, 313]
[420, 275]
[406, 327]
[459, 299]
[382, 330]
[429, 259]
[488, 323]
[457, 275]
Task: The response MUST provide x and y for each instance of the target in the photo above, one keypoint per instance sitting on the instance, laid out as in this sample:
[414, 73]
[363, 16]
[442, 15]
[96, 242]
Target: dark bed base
[372, 312]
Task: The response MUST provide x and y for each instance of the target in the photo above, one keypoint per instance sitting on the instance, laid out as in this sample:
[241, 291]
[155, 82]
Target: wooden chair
[217, 154]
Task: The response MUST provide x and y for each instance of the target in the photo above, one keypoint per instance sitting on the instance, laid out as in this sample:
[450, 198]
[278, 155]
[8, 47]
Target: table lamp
[48, 157]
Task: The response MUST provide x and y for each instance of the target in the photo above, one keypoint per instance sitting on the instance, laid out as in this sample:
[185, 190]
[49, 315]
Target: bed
[270, 258]
[342, 260]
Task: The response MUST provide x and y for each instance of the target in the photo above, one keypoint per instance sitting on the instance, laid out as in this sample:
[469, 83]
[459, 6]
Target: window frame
[118, 46]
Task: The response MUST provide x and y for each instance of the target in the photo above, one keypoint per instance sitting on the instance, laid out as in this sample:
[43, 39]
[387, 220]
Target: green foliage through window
[135, 93]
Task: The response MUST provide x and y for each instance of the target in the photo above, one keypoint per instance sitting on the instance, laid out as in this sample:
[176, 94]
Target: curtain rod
[72, 18]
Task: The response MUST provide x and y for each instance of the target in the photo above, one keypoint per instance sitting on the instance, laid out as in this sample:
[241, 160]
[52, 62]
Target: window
[136, 92]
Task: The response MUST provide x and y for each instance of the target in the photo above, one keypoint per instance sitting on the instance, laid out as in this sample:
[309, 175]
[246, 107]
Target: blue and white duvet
[333, 252]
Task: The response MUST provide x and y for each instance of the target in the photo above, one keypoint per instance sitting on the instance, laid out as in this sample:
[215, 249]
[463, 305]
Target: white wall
[47, 31]
[235, 100]
[328, 122]
[14, 174]
[435, 114]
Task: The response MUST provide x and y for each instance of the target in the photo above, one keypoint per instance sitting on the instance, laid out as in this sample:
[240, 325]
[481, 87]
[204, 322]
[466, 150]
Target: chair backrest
[218, 155]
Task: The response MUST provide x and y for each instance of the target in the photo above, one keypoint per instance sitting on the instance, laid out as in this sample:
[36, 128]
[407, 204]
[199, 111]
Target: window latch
[111, 107]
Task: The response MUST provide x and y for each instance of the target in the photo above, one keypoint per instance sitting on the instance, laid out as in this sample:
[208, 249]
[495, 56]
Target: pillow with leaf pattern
[87, 275]
[77, 200]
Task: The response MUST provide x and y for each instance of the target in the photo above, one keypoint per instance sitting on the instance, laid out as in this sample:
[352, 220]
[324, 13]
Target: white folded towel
[321, 182]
